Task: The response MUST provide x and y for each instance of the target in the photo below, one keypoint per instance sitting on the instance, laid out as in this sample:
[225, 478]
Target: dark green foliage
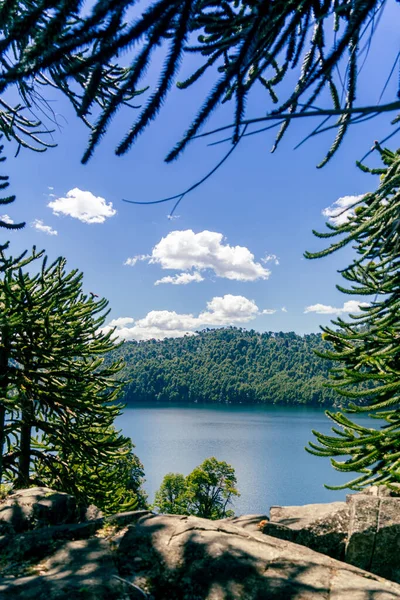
[228, 365]
[367, 346]
[77, 49]
[171, 497]
[4, 183]
[206, 492]
[112, 482]
[57, 395]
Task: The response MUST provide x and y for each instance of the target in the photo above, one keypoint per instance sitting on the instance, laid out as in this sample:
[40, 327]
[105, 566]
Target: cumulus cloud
[40, 226]
[186, 251]
[84, 206]
[268, 311]
[227, 310]
[284, 309]
[351, 306]
[121, 322]
[6, 219]
[340, 211]
[159, 324]
[182, 279]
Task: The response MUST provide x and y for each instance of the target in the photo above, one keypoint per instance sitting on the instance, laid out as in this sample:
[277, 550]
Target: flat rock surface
[299, 517]
[247, 522]
[321, 527]
[188, 558]
[81, 569]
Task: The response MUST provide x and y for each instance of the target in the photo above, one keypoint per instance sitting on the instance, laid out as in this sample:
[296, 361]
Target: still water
[265, 445]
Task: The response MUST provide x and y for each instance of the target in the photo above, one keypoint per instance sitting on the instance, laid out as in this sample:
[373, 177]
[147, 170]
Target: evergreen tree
[366, 347]
[58, 397]
[243, 43]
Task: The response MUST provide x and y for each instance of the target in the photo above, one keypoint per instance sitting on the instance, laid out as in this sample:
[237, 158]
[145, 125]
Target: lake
[265, 445]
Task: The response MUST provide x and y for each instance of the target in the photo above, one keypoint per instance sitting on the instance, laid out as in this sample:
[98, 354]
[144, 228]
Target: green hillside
[228, 365]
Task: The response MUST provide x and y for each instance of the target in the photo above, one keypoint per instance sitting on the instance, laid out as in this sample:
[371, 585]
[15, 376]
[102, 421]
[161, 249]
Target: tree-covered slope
[228, 365]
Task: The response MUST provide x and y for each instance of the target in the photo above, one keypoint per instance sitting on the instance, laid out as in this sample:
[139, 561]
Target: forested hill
[228, 365]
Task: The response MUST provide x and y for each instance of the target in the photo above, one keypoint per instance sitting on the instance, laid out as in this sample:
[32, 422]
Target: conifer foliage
[76, 49]
[367, 346]
[57, 398]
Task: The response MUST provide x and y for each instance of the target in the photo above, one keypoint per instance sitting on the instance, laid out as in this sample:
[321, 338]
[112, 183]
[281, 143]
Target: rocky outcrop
[321, 527]
[140, 555]
[363, 531]
[173, 557]
[36, 507]
[63, 561]
[374, 534]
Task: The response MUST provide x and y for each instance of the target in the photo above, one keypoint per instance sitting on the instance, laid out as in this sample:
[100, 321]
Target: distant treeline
[228, 365]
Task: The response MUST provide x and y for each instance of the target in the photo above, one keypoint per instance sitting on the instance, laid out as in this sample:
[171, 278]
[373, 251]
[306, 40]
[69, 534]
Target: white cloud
[182, 279]
[284, 309]
[40, 226]
[6, 219]
[351, 306]
[186, 250]
[121, 322]
[131, 262]
[270, 257]
[340, 211]
[268, 311]
[50, 187]
[159, 324]
[83, 206]
[227, 310]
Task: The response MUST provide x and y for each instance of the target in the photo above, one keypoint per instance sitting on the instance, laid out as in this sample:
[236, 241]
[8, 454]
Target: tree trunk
[3, 391]
[23, 478]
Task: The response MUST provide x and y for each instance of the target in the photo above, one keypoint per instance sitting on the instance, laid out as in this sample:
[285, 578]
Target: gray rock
[36, 507]
[248, 522]
[381, 491]
[187, 558]
[364, 531]
[92, 512]
[321, 527]
[374, 534]
[67, 560]
[363, 520]
[82, 569]
[39, 543]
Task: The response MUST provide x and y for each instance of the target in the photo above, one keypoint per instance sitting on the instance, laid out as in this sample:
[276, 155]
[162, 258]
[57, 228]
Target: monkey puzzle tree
[243, 44]
[58, 397]
[367, 346]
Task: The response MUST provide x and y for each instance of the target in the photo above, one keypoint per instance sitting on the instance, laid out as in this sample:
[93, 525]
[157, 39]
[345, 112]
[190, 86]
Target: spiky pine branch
[367, 347]
[244, 43]
[5, 220]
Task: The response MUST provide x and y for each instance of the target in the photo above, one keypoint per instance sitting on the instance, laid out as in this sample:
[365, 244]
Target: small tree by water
[206, 492]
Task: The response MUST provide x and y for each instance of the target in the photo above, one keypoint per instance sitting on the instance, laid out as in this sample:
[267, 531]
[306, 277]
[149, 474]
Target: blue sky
[215, 254]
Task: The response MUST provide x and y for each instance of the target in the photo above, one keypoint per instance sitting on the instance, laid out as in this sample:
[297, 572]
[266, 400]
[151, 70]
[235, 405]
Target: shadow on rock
[188, 558]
